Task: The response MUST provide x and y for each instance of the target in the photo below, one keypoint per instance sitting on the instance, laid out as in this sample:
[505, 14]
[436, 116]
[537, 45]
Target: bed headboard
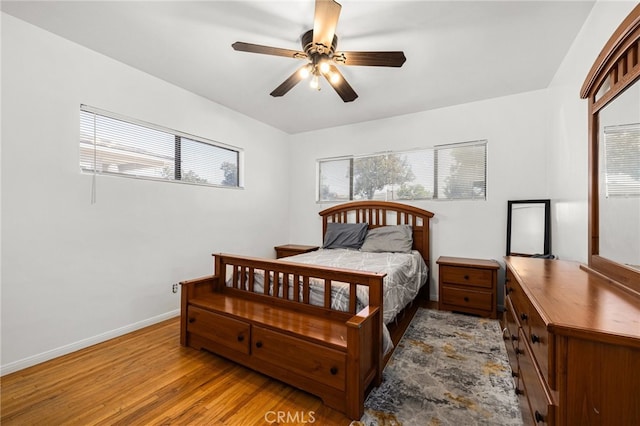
[381, 213]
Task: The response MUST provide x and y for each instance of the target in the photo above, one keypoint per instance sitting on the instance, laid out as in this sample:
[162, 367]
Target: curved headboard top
[382, 213]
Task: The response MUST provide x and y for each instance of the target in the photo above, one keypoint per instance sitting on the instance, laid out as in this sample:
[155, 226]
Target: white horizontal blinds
[418, 179]
[124, 148]
[622, 160]
[393, 176]
[110, 144]
[461, 170]
[334, 178]
[202, 163]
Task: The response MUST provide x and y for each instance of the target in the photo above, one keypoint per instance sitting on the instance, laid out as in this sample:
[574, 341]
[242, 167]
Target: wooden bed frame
[337, 356]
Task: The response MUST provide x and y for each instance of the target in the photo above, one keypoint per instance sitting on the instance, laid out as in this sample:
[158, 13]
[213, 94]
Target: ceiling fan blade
[325, 22]
[288, 84]
[373, 59]
[341, 86]
[268, 50]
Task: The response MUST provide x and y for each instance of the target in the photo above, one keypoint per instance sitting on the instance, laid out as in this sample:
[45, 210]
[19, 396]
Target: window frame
[436, 177]
[178, 142]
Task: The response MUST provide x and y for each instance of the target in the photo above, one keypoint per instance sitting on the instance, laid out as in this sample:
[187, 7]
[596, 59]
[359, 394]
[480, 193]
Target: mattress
[406, 274]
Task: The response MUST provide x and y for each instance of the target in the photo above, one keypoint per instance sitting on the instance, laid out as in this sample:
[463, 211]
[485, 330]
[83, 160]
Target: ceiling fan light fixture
[305, 72]
[324, 67]
[315, 82]
[334, 77]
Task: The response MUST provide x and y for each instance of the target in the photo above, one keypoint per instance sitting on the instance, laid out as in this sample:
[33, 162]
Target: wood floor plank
[147, 378]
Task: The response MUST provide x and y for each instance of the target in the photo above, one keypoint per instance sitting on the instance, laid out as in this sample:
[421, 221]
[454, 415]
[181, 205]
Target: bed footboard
[262, 313]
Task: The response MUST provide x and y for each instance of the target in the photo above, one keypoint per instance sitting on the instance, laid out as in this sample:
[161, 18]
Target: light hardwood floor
[147, 378]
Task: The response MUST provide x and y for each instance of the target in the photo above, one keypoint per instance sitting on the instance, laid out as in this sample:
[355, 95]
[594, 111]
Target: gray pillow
[393, 238]
[345, 235]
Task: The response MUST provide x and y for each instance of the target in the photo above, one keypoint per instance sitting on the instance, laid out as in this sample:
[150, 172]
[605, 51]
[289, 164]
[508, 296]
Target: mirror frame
[618, 64]
[547, 227]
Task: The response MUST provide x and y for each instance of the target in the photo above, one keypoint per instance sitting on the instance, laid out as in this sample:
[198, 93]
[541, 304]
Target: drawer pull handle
[520, 351]
[509, 290]
[240, 337]
[192, 320]
[535, 339]
[519, 392]
[514, 374]
[514, 338]
[466, 299]
[539, 417]
[524, 317]
[466, 277]
[258, 344]
[334, 371]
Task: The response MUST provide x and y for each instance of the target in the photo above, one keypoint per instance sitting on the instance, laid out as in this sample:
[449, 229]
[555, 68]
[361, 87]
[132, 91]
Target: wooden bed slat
[251, 279]
[327, 293]
[305, 289]
[352, 298]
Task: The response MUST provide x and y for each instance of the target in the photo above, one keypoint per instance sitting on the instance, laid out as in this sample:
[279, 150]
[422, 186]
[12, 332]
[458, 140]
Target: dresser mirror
[619, 178]
[528, 228]
[612, 88]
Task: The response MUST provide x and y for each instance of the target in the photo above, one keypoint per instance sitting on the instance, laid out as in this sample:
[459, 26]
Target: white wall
[516, 130]
[74, 273]
[568, 147]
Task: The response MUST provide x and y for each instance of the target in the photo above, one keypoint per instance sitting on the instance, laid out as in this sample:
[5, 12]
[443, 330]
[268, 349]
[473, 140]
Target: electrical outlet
[174, 288]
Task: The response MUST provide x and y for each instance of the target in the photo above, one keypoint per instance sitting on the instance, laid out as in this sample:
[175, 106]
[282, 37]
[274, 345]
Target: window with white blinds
[456, 171]
[112, 144]
[622, 160]
[461, 171]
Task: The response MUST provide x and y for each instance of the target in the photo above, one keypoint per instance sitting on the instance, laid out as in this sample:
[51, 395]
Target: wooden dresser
[573, 340]
[468, 285]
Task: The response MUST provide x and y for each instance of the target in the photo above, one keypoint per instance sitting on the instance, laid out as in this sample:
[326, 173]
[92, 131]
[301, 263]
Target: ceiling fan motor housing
[317, 49]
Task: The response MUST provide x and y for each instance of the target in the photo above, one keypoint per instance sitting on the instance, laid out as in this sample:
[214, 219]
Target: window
[622, 160]
[461, 171]
[111, 144]
[456, 171]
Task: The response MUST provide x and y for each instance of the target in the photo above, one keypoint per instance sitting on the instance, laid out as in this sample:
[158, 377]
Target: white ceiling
[457, 52]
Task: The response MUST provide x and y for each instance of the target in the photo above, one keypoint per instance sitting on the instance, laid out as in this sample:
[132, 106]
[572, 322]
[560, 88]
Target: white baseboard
[84, 343]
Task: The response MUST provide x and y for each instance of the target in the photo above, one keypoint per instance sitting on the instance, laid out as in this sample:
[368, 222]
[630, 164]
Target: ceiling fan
[319, 51]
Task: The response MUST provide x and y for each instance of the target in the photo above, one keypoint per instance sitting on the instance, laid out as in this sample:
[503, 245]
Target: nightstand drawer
[454, 296]
[470, 277]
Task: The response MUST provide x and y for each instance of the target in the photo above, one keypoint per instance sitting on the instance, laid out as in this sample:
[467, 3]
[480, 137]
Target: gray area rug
[448, 369]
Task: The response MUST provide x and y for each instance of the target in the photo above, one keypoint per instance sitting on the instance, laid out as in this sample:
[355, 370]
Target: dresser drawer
[538, 339]
[300, 357]
[519, 301]
[540, 402]
[225, 331]
[542, 408]
[454, 296]
[510, 334]
[468, 277]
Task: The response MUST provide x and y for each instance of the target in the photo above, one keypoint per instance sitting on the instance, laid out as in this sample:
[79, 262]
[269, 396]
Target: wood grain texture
[147, 378]
[578, 343]
[468, 285]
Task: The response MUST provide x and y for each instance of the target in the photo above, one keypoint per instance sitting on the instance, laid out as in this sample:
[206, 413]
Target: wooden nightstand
[292, 249]
[468, 285]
